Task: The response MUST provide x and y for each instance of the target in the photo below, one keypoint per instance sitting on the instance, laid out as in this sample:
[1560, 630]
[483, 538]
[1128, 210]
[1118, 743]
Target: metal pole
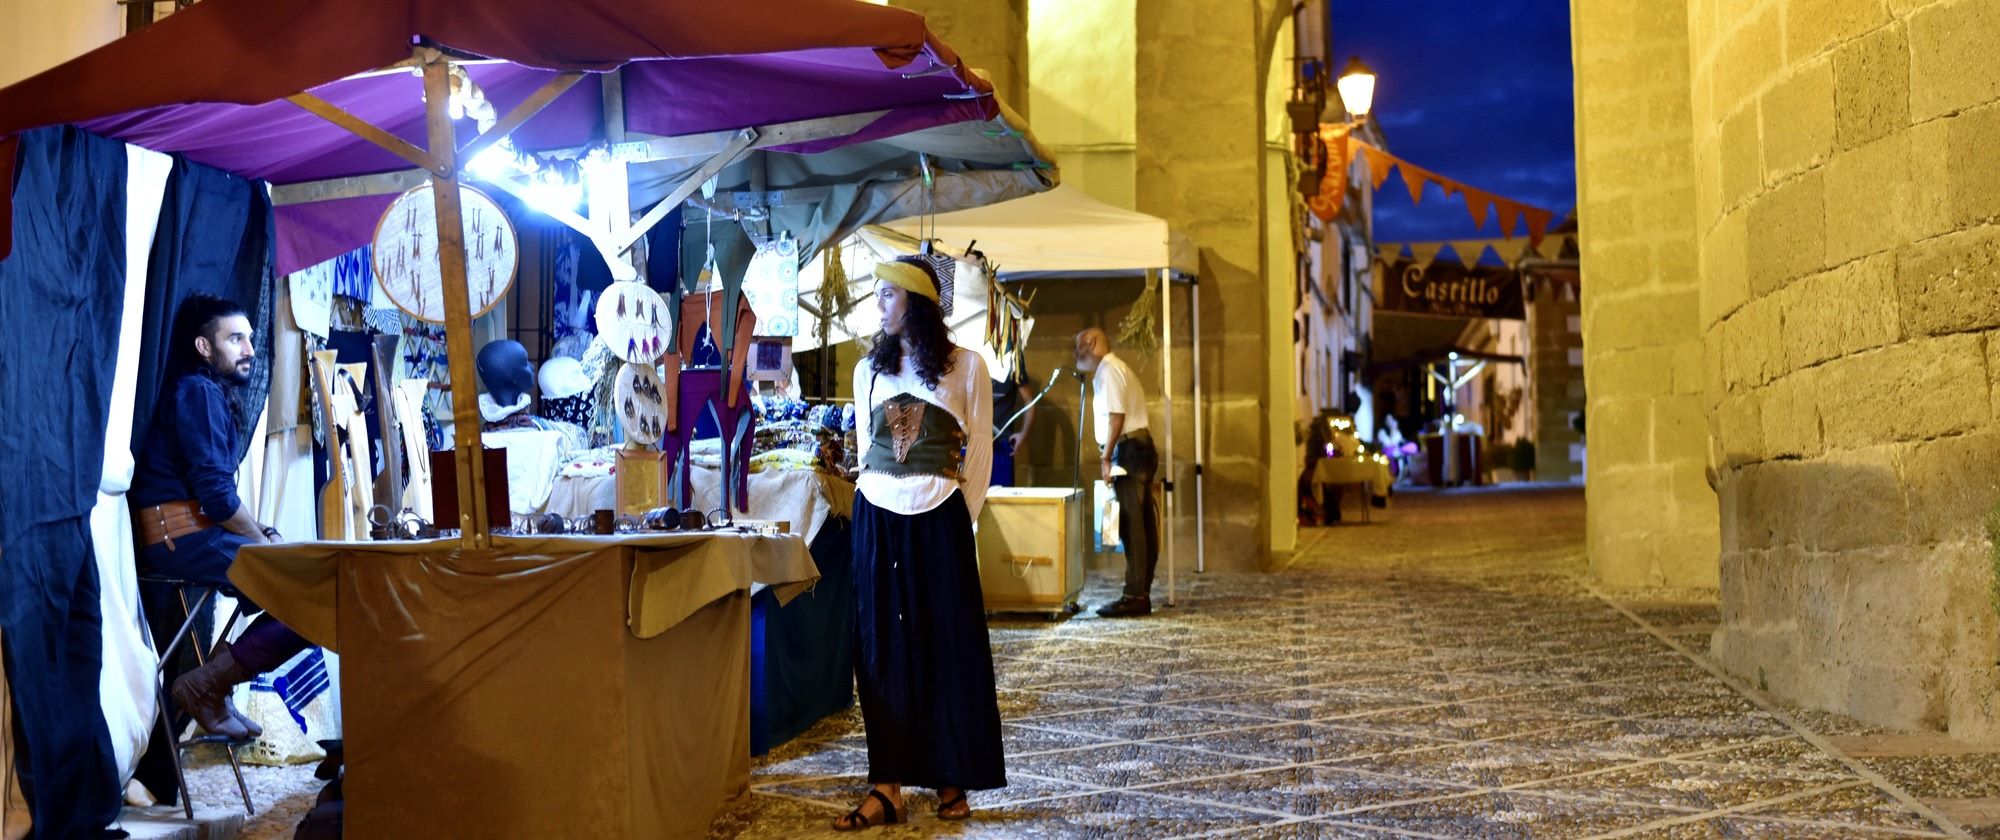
[472, 521]
[1450, 422]
[1167, 422]
[1200, 510]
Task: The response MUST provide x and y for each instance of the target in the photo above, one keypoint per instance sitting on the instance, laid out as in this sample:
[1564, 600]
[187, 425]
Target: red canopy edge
[255, 51]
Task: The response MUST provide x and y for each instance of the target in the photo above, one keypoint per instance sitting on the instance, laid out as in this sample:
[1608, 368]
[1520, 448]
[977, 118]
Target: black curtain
[61, 297]
[214, 238]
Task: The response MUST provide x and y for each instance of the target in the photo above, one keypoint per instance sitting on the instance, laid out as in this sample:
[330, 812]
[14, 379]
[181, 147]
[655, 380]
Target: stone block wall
[1847, 165]
[1557, 384]
[1652, 516]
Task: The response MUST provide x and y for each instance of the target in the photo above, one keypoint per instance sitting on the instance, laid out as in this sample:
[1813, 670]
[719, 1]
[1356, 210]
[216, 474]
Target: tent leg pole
[1167, 420]
[1200, 447]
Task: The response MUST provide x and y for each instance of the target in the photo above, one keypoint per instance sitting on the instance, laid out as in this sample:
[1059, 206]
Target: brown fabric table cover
[546, 687]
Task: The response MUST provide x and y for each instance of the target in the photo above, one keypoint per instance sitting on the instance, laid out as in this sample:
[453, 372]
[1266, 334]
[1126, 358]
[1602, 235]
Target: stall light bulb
[553, 195]
[1329, 450]
[492, 164]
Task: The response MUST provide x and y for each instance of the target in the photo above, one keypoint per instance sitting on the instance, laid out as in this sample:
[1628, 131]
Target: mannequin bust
[507, 374]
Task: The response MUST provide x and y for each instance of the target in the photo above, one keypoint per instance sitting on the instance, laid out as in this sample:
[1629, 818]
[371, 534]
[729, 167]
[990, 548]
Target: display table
[570, 686]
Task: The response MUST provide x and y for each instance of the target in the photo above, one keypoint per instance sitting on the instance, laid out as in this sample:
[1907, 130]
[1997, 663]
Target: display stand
[546, 687]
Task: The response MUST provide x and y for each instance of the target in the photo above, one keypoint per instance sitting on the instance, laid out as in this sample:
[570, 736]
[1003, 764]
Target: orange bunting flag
[1510, 215]
[1379, 162]
[1414, 178]
[1538, 224]
[1479, 204]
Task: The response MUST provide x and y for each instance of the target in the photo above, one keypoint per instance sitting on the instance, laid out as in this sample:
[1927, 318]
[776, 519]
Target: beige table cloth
[574, 686]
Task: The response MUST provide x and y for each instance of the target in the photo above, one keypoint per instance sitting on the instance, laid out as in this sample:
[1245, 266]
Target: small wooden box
[1031, 546]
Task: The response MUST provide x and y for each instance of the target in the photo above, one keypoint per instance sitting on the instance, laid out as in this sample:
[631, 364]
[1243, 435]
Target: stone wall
[1849, 188]
[1556, 382]
[1652, 516]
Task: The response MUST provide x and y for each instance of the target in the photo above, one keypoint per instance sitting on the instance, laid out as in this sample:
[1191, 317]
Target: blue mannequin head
[505, 370]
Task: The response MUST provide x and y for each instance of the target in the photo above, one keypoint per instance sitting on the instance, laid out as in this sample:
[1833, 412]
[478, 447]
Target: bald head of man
[1092, 345]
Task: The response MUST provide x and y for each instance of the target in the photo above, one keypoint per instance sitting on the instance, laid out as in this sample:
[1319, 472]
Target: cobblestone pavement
[1445, 671]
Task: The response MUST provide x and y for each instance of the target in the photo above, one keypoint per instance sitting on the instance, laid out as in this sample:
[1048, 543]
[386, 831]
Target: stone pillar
[990, 35]
[1199, 121]
[1850, 294]
[1652, 516]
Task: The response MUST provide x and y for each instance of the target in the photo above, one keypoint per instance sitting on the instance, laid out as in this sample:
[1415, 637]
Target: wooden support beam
[736, 149]
[474, 529]
[401, 148]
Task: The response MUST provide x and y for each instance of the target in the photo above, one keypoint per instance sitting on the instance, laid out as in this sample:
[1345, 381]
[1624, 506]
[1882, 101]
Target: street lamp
[1357, 88]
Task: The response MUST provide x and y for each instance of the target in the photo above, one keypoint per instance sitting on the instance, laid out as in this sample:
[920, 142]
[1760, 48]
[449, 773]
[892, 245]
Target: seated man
[184, 504]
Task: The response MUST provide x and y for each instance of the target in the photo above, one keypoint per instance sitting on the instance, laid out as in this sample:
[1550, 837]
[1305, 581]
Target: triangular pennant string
[1379, 162]
[1510, 215]
[1413, 178]
[1479, 204]
[1425, 253]
[1538, 223]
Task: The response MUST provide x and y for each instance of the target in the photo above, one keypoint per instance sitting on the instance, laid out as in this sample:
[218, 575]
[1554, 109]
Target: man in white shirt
[1128, 463]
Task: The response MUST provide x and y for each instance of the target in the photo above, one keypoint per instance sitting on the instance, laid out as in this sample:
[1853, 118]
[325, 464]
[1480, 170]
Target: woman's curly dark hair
[924, 330]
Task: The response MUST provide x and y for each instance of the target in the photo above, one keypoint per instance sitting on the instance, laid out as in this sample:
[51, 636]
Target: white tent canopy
[1061, 233]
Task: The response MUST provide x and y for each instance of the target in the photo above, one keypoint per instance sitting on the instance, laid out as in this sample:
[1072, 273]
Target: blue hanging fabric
[62, 291]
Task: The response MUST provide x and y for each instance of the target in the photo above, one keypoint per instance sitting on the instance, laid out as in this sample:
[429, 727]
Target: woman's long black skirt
[921, 655]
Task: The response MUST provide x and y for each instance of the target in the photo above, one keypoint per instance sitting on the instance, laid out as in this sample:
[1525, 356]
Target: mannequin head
[505, 370]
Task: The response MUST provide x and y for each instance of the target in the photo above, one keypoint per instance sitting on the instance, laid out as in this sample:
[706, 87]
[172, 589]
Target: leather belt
[162, 523]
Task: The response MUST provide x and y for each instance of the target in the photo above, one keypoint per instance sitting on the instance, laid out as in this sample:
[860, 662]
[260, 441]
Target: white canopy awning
[1061, 233]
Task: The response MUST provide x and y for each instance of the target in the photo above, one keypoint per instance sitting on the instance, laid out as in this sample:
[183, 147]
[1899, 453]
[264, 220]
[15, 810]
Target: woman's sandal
[855, 820]
[955, 808]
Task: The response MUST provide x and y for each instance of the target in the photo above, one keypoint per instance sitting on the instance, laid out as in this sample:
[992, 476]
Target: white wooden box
[1031, 547]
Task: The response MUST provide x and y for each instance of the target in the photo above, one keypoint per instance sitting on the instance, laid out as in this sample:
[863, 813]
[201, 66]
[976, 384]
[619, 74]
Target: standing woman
[925, 670]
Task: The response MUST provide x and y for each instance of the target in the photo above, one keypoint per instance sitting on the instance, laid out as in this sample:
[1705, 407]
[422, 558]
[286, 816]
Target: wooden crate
[1031, 548]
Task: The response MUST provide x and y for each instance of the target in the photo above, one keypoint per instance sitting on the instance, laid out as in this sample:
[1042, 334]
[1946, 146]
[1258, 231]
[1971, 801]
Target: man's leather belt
[163, 523]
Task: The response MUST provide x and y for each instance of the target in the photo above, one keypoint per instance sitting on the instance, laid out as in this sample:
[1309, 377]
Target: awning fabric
[210, 82]
[1062, 232]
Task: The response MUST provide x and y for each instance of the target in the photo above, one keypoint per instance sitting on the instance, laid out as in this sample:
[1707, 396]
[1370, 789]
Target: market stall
[607, 117]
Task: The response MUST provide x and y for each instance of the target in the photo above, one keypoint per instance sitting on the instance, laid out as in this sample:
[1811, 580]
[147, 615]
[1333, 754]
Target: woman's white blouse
[966, 391]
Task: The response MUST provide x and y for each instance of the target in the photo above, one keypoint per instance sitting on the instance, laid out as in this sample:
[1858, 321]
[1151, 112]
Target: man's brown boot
[204, 693]
[249, 725]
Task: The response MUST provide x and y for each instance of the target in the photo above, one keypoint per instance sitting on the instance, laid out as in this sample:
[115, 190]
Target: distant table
[572, 686]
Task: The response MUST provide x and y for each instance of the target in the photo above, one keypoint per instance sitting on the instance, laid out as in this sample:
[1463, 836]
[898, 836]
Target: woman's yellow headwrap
[909, 277]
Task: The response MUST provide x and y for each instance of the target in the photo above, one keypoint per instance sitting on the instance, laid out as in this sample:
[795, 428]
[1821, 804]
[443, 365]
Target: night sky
[1476, 91]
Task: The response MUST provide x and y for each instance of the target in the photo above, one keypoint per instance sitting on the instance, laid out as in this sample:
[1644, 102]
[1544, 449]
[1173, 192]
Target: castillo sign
[1450, 289]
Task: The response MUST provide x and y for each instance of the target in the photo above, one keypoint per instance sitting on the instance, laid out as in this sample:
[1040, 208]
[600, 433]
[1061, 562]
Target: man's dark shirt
[1007, 400]
[188, 451]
